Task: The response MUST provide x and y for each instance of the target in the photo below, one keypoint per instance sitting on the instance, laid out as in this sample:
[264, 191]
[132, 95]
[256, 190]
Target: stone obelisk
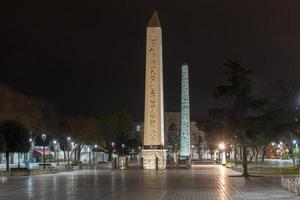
[185, 150]
[154, 155]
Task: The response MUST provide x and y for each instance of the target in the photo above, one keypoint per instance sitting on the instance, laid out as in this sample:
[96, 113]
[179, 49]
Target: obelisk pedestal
[153, 153]
[185, 147]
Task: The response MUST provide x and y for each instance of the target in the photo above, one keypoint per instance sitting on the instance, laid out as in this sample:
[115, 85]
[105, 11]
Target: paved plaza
[209, 182]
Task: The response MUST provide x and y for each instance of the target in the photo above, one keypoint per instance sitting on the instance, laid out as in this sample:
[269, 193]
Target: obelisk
[154, 154]
[185, 149]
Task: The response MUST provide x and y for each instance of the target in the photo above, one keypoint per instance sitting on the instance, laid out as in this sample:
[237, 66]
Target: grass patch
[270, 170]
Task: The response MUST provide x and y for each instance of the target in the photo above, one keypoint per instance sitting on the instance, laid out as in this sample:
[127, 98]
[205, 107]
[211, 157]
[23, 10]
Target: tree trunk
[241, 153]
[12, 159]
[7, 161]
[294, 163]
[264, 153]
[75, 154]
[252, 155]
[245, 163]
[256, 154]
[79, 153]
[18, 160]
[235, 156]
[65, 159]
[109, 155]
[291, 152]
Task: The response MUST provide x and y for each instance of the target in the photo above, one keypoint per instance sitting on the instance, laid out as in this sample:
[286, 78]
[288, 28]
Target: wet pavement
[209, 182]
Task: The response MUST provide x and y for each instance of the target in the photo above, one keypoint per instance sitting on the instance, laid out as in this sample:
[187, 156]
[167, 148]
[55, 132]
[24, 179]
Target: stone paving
[209, 182]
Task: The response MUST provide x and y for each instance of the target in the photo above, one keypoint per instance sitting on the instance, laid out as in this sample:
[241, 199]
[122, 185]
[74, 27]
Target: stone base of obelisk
[184, 162]
[154, 158]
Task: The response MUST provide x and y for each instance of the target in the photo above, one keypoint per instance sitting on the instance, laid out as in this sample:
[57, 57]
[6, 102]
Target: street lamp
[222, 148]
[31, 149]
[123, 146]
[54, 145]
[192, 153]
[95, 148]
[68, 147]
[57, 152]
[112, 150]
[44, 139]
[215, 155]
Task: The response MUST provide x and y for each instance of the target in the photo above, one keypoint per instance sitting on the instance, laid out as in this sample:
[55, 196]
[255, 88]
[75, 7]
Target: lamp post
[295, 150]
[192, 151]
[44, 158]
[72, 148]
[95, 148]
[54, 147]
[89, 150]
[123, 146]
[31, 150]
[122, 159]
[68, 148]
[112, 149]
[222, 148]
[215, 155]
[57, 152]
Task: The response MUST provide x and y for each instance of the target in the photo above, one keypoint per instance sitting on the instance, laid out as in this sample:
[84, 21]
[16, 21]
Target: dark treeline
[38, 116]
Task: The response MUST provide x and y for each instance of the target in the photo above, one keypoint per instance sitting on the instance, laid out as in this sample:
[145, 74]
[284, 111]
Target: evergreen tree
[14, 138]
[245, 107]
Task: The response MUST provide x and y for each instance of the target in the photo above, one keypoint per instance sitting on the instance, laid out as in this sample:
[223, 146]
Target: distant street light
[222, 146]
[44, 139]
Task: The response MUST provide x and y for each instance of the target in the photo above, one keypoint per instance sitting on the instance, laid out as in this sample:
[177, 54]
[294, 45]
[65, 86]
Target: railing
[291, 183]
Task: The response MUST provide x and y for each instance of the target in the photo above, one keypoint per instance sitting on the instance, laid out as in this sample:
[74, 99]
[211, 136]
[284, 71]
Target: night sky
[88, 57]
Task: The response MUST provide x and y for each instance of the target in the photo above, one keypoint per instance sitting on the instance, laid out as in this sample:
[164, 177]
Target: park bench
[291, 183]
[49, 167]
[19, 171]
[76, 163]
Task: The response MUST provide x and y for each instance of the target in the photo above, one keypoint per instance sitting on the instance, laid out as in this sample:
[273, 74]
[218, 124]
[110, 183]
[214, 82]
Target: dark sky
[88, 57]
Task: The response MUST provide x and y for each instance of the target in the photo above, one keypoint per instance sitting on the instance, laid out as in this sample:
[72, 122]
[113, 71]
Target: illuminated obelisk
[154, 154]
[185, 150]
